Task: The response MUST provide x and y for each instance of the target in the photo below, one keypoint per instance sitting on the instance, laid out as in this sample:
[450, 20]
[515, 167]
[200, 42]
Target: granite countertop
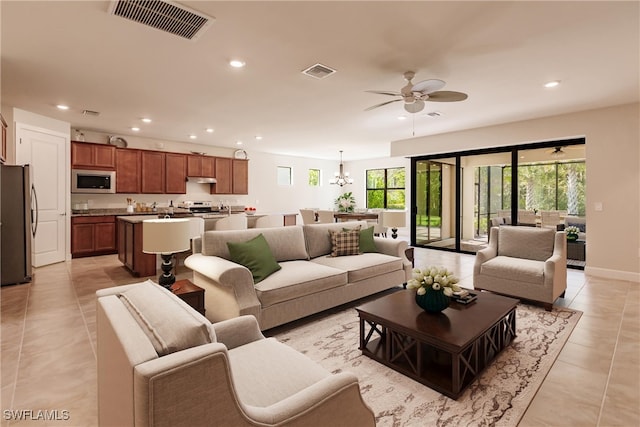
[123, 212]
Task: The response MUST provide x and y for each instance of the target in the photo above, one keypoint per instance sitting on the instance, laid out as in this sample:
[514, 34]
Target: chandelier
[341, 178]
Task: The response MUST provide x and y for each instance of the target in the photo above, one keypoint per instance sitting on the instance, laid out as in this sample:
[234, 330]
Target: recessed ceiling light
[238, 142]
[258, 137]
[192, 136]
[146, 120]
[62, 107]
[551, 84]
[209, 130]
[402, 117]
[135, 129]
[236, 63]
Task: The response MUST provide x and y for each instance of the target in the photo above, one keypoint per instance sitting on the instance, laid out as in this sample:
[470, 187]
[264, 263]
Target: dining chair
[378, 228]
[308, 216]
[325, 216]
[270, 221]
[231, 222]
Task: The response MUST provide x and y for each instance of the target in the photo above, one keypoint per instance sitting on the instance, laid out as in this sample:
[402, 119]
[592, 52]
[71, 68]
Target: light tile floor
[48, 346]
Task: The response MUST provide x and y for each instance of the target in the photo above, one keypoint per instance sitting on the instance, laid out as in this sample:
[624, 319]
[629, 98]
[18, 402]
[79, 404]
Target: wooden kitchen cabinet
[224, 176]
[130, 249]
[240, 174]
[127, 171]
[198, 165]
[86, 155]
[93, 235]
[175, 173]
[152, 171]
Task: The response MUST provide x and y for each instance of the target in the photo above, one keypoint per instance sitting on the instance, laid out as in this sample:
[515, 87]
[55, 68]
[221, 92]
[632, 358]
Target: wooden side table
[189, 293]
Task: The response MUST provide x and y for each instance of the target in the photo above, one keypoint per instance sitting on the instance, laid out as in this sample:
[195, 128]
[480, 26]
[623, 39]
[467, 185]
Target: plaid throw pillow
[345, 242]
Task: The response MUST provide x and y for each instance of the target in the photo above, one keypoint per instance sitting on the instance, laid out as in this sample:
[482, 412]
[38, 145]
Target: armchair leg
[548, 306]
[562, 294]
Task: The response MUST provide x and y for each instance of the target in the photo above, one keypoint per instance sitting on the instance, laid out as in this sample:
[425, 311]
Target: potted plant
[434, 286]
[572, 232]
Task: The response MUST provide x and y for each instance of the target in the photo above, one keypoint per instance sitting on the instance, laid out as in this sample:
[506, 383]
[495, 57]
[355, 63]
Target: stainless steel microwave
[88, 181]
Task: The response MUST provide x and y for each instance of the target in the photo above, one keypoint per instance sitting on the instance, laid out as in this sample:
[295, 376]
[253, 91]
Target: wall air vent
[318, 71]
[164, 15]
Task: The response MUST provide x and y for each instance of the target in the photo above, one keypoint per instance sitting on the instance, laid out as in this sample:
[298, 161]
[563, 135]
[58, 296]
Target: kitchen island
[130, 246]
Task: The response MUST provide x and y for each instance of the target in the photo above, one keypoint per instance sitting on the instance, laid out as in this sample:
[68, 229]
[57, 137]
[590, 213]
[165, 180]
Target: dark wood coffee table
[445, 351]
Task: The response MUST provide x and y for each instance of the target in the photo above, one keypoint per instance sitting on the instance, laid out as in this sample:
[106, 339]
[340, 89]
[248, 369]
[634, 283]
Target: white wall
[613, 174]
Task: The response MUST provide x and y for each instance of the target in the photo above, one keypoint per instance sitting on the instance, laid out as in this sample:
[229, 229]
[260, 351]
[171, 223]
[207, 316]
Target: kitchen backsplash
[194, 192]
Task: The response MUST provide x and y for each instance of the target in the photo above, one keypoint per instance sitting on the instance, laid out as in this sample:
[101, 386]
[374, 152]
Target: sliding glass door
[458, 197]
[435, 212]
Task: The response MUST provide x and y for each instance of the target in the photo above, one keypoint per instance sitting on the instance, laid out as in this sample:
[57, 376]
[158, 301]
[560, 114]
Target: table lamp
[166, 237]
[394, 220]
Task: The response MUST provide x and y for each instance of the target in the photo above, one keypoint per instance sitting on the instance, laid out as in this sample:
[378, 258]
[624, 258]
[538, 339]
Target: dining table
[355, 216]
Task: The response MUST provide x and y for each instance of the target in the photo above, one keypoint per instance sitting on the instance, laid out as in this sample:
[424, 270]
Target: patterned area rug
[499, 397]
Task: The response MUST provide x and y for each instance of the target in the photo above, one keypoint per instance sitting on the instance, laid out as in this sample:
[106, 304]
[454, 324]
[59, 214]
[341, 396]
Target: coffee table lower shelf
[446, 370]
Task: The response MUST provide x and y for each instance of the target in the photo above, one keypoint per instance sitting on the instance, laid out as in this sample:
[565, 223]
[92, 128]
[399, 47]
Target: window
[314, 177]
[385, 188]
[284, 175]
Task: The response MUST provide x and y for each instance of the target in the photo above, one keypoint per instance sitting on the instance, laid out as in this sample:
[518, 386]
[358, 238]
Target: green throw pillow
[256, 256]
[367, 243]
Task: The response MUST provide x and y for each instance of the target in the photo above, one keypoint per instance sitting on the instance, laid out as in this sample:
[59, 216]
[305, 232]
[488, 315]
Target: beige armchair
[523, 262]
[160, 363]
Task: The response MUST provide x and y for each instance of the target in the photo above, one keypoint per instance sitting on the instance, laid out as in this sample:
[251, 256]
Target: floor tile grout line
[613, 358]
[21, 346]
[84, 318]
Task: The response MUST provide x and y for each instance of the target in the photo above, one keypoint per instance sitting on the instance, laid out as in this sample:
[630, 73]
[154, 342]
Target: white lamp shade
[394, 219]
[165, 236]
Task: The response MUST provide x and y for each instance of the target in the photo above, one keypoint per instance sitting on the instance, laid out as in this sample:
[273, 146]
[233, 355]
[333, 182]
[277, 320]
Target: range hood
[201, 179]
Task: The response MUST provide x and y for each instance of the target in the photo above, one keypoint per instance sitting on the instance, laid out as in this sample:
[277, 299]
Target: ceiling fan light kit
[341, 177]
[414, 95]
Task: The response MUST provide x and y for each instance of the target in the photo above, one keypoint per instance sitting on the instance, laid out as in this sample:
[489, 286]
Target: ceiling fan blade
[447, 96]
[428, 86]
[414, 107]
[384, 92]
[380, 105]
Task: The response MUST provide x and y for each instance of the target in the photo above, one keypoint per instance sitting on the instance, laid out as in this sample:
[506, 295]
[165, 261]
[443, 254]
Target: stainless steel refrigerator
[17, 227]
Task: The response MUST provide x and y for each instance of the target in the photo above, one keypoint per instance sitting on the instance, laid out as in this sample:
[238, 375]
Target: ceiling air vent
[90, 113]
[319, 71]
[163, 15]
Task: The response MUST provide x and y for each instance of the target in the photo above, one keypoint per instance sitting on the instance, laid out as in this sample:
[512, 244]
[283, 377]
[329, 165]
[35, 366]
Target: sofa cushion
[367, 242]
[297, 279]
[516, 269]
[169, 325]
[345, 242]
[256, 255]
[317, 236]
[266, 372]
[286, 243]
[526, 242]
[363, 266]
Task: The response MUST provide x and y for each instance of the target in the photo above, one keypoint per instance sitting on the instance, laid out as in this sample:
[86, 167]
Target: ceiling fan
[414, 95]
[559, 151]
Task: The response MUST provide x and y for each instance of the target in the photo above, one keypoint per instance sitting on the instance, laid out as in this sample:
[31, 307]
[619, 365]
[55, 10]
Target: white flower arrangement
[572, 229]
[436, 278]
[346, 202]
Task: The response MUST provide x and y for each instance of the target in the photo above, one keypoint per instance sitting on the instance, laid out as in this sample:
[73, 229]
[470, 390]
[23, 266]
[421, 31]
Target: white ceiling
[500, 53]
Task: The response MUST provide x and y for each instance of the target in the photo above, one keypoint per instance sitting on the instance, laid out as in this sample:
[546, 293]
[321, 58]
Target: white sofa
[161, 363]
[523, 262]
[309, 281]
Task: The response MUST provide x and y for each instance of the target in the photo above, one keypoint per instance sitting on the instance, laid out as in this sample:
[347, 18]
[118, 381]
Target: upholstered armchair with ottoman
[523, 262]
[161, 363]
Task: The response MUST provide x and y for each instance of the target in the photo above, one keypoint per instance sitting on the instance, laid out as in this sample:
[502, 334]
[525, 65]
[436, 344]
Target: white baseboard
[628, 276]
